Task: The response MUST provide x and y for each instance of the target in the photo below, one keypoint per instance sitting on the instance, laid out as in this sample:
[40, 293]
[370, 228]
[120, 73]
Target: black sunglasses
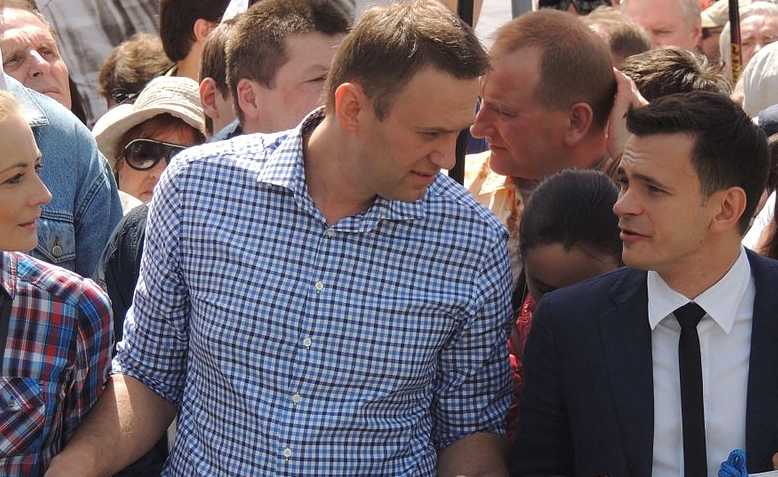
[121, 96]
[144, 154]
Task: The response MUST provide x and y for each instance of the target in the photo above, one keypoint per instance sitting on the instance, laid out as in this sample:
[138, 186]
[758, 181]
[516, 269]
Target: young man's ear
[249, 99]
[350, 103]
[208, 93]
[202, 28]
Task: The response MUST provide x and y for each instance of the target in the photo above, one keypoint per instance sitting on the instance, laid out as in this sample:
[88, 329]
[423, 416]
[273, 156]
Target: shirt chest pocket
[56, 240]
[22, 416]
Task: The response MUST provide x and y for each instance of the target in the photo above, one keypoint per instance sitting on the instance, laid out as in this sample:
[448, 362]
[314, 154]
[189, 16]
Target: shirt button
[329, 232]
[297, 398]
[319, 286]
[287, 453]
[307, 342]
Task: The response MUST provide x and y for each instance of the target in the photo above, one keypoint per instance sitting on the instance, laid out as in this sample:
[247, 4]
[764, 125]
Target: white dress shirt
[725, 347]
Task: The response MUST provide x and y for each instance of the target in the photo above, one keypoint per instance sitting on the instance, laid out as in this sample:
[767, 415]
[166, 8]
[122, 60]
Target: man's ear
[579, 123]
[731, 205]
[208, 97]
[350, 106]
[202, 28]
[249, 99]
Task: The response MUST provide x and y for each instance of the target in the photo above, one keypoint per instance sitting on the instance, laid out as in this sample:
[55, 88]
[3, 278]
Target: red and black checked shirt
[56, 360]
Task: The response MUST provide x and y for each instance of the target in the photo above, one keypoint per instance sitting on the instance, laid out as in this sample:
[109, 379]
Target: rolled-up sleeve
[473, 392]
[155, 341]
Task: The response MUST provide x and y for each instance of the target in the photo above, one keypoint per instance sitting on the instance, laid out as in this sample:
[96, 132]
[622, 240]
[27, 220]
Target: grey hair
[762, 7]
[689, 8]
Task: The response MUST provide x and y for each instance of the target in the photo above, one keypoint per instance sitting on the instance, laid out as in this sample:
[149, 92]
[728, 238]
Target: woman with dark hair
[569, 233]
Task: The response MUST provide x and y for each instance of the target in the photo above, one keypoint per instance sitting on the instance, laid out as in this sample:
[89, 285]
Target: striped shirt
[297, 348]
[55, 363]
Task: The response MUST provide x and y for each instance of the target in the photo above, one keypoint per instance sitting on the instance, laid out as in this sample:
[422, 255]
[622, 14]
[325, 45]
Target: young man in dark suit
[664, 367]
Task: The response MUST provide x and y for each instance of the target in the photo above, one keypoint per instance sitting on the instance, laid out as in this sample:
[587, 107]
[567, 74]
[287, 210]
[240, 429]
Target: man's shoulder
[249, 151]
[448, 199]
[597, 292]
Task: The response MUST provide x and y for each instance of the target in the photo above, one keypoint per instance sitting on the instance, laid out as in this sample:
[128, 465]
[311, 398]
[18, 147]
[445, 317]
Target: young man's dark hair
[383, 58]
[130, 66]
[673, 70]
[177, 19]
[256, 49]
[729, 149]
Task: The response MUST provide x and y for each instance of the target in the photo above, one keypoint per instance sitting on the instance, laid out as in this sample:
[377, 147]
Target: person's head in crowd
[568, 231]
[215, 94]
[691, 176]
[140, 139]
[672, 70]
[184, 25]
[129, 68]
[624, 36]
[546, 100]
[22, 191]
[577, 7]
[760, 80]
[713, 19]
[30, 51]
[401, 87]
[758, 28]
[278, 55]
[768, 242]
[668, 22]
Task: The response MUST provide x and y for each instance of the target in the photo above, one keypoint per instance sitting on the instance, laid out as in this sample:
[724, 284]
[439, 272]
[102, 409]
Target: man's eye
[48, 53]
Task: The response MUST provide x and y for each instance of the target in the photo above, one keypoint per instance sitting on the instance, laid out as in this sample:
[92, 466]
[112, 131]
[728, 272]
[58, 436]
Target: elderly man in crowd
[758, 28]
[668, 22]
[545, 108]
[366, 336]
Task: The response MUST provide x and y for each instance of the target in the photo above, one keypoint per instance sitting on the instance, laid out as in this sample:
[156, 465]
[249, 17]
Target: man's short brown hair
[666, 71]
[214, 64]
[390, 44]
[575, 64]
[131, 65]
[625, 37]
[256, 47]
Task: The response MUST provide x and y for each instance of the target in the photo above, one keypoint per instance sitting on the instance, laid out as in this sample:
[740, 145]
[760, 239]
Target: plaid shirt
[294, 348]
[56, 360]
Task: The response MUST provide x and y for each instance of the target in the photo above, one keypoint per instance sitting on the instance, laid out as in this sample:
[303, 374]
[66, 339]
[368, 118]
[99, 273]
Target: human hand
[627, 97]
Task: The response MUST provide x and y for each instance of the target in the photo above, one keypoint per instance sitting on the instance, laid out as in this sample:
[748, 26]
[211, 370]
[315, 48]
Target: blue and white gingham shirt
[300, 349]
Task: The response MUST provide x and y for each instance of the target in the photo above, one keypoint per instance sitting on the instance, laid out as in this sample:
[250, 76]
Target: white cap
[235, 8]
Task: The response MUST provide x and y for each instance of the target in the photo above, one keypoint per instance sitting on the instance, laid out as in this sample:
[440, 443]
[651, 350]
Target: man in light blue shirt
[323, 301]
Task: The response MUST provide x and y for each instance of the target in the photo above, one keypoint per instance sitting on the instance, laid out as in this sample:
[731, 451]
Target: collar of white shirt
[720, 301]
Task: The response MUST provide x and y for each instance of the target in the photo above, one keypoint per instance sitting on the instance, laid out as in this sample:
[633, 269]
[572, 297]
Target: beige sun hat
[717, 15]
[174, 95]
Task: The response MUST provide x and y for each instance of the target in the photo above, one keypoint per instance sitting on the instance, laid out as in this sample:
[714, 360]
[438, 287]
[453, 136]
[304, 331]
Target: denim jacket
[76, 225]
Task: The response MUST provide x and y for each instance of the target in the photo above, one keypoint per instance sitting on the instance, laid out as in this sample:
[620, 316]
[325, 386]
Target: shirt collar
[286, 168]
[8, 274]
[720, 301]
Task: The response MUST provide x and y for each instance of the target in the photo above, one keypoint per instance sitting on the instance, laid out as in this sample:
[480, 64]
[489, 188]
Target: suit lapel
[762, 400]
[626, 337]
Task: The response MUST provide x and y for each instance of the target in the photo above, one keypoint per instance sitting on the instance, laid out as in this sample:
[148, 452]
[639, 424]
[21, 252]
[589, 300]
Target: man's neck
[695, 274]
[331, 181]
[189, 67]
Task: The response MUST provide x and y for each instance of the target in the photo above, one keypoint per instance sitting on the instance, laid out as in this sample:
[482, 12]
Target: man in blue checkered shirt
[322, 301]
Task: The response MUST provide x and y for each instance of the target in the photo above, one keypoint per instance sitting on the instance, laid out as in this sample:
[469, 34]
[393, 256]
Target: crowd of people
[255, 263]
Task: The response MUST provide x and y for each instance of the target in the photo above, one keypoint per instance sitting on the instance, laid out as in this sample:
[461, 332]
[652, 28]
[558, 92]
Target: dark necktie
[692, 410]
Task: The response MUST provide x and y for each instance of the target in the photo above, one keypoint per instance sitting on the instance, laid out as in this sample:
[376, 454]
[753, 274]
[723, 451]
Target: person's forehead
[23, 28]
[433, 98]
[658, 155]
[513, 76]
[759, 23]
[307, 52]
[655, 11]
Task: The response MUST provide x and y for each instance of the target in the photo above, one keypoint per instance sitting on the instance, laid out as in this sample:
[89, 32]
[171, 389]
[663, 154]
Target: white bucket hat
[174, 95]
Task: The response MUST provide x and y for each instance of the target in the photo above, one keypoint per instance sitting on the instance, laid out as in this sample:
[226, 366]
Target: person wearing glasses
[139, 139]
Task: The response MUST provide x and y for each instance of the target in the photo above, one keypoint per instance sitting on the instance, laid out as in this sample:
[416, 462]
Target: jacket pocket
[56, 239]
[22, 415]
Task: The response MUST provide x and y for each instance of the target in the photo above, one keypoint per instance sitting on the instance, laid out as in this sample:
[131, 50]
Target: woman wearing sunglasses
[140, 139]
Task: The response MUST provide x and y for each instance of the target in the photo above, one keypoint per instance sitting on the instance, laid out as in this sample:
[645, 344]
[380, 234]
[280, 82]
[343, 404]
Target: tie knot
[689, 315]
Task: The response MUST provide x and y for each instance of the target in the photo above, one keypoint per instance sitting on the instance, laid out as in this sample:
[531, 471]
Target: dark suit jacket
[588, 405]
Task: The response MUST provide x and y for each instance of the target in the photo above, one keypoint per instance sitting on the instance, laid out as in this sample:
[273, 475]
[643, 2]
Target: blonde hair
[8, 105]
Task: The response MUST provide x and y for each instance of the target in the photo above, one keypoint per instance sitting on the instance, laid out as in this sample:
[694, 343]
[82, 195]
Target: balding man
[668, 22]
